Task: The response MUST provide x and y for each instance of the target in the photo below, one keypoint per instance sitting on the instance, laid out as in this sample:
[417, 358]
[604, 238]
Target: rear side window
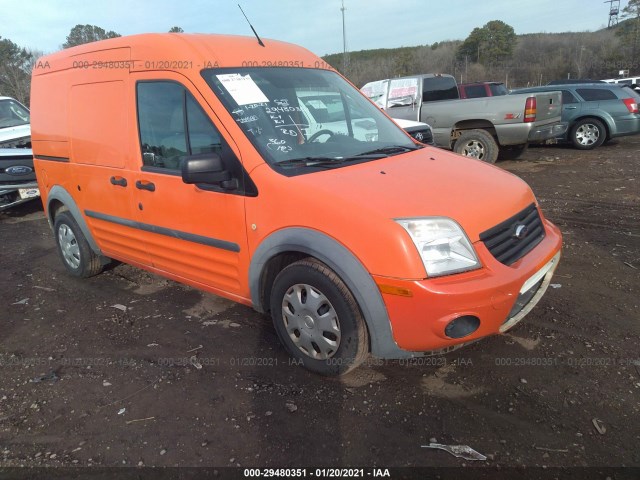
[596, 94]
[439, 88]
[172, 125]
[498, 89]
[631, 92]
[568, 97]
[475, 91]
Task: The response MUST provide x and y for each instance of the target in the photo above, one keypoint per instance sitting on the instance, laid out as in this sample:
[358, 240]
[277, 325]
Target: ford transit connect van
[260, 174]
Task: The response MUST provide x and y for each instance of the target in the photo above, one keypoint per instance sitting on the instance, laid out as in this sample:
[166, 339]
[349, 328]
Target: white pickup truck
[475, 127]
[15, 130]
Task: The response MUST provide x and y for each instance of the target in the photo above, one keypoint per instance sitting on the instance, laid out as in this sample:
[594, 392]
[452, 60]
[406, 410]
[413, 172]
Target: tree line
[494, 52]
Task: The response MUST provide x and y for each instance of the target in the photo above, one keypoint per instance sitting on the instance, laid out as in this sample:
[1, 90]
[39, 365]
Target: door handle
[570, 108]
[119, 181]
[144, 185]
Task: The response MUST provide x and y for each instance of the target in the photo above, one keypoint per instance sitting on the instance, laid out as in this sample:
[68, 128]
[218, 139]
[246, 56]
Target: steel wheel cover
[311, 321]
[69, 246]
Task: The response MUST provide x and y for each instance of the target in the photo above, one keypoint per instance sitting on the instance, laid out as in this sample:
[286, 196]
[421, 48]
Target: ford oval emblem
[521, 231]
[18, 170]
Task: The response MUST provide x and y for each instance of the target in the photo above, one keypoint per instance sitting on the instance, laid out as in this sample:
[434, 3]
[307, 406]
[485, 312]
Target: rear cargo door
[100, 148]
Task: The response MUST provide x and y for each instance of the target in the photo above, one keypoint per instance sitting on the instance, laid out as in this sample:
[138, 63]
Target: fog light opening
[462, 326]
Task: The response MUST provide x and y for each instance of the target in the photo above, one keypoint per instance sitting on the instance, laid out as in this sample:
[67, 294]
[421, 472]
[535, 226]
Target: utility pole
[345, 58]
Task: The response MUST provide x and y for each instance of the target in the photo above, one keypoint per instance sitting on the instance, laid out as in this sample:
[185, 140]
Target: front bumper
[11, 195]
[499, 296]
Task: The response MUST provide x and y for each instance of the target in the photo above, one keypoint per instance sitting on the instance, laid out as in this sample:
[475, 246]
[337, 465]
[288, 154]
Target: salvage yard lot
[127, 368]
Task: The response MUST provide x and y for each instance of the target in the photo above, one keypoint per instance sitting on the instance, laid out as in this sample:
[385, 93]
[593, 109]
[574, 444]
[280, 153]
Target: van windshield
[13, 114]
[297, 115]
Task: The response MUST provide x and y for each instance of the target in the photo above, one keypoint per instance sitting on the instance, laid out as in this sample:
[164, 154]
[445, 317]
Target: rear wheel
[588, 133]
[477, 144]
[317, 319]
[75, 252]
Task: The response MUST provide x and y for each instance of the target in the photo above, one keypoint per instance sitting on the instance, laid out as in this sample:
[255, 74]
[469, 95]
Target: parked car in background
[17, 177]
[596, 112]
[15, 129]
[633, 82]
[324, 112]
[378, 93]
[482, 89]
[475, 127]
[419, 130]
[572, 81]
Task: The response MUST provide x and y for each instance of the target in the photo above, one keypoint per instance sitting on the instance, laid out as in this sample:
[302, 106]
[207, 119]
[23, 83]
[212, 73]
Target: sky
[43, 25]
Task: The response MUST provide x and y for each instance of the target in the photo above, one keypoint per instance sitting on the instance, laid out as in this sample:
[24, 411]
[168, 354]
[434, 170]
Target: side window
[568, 97]
[594, 95]
[498, 89]
[166, 113]
[203, 137]
[475, 91]
[439, 88]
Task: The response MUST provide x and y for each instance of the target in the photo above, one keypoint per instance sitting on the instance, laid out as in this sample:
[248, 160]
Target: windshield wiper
[327, 161]
[390, 149]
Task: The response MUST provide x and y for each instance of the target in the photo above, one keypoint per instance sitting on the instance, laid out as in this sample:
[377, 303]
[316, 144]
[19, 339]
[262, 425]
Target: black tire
[588, 133]
[513, 152]
[477, 144]
[327, 333]
[74, 251]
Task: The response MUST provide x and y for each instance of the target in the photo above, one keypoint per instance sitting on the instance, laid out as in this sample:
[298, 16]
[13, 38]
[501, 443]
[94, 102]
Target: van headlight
[442, 245]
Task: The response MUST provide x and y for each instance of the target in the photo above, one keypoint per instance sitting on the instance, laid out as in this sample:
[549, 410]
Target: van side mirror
[205, 168]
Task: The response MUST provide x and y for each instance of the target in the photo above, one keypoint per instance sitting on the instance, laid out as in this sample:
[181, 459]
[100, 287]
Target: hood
[427, 182]
[13, 133]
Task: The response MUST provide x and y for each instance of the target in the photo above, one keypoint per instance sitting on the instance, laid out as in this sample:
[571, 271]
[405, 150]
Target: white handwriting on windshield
[278, 145]
[251, 118]
[286, 131]
[277, 110]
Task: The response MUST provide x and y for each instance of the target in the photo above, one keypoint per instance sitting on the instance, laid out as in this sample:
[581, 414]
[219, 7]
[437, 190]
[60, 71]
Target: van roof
[166, 51]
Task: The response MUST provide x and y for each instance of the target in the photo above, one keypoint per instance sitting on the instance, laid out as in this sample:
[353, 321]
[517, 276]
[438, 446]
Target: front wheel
[75, 252]
[588, 133]
[477, 144]
[317, 319]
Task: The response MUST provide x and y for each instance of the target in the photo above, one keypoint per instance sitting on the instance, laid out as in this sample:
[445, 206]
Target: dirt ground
[129, 369]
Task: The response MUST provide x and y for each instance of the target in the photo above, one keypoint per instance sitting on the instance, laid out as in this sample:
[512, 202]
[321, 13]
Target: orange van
[260, 174]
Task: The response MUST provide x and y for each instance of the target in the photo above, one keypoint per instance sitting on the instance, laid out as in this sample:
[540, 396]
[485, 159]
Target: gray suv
[595, 112]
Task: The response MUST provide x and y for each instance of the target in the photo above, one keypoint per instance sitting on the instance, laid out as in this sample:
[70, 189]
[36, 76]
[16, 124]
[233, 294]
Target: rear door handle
[119, 181]
[144, 185]
[570, 108]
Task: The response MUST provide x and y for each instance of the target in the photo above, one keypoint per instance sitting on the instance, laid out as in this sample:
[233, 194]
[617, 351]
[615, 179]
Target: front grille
[424, 135]
[504, 243]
